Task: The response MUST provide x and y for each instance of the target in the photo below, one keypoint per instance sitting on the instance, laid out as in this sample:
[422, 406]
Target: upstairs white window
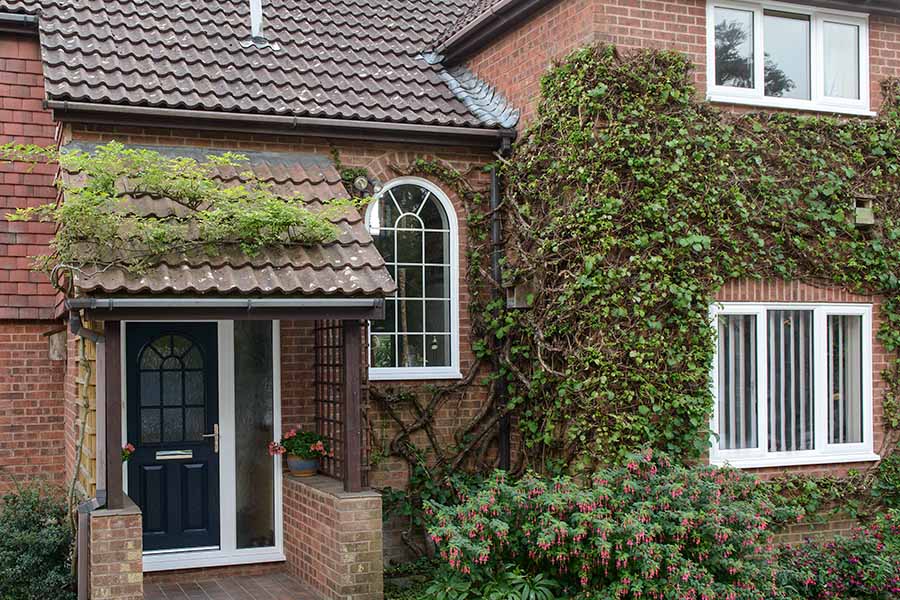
[414, 227]
[793, 384]
[787, 56]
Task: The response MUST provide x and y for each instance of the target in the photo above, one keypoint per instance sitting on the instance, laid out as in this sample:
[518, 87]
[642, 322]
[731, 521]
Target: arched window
[414, 227]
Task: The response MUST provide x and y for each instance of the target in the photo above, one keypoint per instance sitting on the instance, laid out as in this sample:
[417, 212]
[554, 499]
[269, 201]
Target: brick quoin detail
[332, 539]
[116, 554]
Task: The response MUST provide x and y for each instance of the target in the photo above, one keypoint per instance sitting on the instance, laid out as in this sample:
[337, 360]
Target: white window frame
[426, 372]
[824, 452]
[755, 96]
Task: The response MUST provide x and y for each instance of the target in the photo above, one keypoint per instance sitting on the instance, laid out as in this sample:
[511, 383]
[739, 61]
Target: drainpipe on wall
[503, 448]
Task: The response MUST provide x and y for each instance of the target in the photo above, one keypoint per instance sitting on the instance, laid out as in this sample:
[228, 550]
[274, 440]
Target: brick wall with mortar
[116, 554]
[515, 62]
[31, 384]
[332, 539]
[31, 405]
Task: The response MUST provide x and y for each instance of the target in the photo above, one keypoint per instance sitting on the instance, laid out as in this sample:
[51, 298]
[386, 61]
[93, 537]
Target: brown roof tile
[347, 59]
[348, 266]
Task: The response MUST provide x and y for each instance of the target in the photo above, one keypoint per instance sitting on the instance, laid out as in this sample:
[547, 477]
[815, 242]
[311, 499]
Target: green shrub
[650, 529]
[864, 565]
[35, 546]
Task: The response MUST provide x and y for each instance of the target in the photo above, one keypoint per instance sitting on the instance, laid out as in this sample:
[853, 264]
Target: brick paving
[270, 586]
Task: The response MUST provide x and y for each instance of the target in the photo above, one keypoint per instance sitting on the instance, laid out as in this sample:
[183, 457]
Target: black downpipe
[503, 449]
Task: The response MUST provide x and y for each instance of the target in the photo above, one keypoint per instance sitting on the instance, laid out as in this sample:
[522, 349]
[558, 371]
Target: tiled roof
[347, 59]
[348, 266]
[475, 10]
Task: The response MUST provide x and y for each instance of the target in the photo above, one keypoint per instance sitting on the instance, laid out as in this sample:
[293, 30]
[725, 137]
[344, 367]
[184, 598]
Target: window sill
[414, 374]
[789, 104]
[795, 461]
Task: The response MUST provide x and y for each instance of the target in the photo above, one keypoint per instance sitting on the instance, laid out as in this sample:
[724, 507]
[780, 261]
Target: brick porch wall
[31, 405]
[116, 554]
[333, 539]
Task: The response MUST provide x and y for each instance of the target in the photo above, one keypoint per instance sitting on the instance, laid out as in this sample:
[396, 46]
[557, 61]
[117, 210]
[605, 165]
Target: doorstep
[266, 586]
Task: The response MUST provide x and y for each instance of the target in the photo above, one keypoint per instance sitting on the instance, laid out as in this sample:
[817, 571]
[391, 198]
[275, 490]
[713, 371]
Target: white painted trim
[227, 553]
[227, 452]
[188, 559]
[818, 102]
[429, 373]
[824, 452]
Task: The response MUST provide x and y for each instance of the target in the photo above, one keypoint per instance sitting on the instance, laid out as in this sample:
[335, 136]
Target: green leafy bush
[35, 546]
[864, 565]
[649, 529]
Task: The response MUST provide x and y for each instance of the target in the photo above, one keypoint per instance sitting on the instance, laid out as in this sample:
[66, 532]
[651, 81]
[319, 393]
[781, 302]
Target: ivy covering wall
[629, 203]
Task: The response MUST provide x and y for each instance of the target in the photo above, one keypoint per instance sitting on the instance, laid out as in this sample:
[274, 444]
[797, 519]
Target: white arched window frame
[374, 216]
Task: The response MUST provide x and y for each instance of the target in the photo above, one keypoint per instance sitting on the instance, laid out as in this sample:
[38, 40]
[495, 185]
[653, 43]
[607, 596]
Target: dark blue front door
[173, 407]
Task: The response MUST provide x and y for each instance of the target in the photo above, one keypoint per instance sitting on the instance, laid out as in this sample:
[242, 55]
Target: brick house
[377, 83]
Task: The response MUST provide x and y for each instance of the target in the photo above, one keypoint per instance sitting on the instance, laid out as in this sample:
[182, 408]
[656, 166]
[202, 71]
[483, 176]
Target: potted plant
[304, 450]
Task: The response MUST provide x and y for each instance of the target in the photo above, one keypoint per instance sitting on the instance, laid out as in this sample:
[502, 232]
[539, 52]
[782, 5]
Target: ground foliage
[629, 203]
[99, 226]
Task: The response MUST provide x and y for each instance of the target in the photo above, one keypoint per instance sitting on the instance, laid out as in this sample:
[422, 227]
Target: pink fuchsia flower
[290, 434]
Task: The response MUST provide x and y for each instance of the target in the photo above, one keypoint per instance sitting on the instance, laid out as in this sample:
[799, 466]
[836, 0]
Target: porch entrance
[173, 422]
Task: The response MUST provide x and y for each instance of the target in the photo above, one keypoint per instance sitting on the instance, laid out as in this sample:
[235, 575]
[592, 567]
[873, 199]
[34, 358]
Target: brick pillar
[333, 539]
[117, 566]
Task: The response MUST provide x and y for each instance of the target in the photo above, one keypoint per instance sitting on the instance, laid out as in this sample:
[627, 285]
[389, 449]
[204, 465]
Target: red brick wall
[332, 540]
[31, 405]
[24, 294]
[782, 291]
[515, 62]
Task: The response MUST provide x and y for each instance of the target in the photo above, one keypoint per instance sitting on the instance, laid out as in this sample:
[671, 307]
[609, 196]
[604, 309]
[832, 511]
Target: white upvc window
[792, 384]
[414, 227]
[787, 56]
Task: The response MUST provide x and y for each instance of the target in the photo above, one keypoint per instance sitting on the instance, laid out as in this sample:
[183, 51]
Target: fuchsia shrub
[651, 529]
[864, 565]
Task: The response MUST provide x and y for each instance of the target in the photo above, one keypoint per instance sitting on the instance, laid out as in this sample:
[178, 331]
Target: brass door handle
[215, 436]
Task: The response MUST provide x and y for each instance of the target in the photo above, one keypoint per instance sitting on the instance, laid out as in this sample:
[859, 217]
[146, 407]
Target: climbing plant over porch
[104, 219]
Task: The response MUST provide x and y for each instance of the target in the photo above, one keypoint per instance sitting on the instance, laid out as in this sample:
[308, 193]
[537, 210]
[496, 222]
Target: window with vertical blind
[414, 227]
[792, 384]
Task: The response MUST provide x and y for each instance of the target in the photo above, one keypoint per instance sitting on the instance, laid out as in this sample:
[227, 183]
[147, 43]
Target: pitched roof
[348, 266]
[344, 59]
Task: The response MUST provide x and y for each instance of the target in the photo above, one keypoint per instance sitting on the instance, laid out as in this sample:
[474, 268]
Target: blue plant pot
[302, 467]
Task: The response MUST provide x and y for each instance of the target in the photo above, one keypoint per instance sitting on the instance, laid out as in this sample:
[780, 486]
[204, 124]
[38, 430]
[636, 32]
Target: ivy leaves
[630, 203]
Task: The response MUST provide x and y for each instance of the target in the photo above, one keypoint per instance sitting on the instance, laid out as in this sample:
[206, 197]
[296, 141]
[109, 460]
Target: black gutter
[487, 28]
[114, 114]
[504, 442]
[18, 23]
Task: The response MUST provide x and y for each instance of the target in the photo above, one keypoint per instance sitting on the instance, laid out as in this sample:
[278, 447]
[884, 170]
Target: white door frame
[227, 553]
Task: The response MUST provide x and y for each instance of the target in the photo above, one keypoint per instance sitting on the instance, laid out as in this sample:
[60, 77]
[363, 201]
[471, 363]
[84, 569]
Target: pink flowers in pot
[302, 444]
[127, 451]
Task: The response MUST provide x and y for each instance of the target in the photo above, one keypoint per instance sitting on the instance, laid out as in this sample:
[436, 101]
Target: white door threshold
[199, 558]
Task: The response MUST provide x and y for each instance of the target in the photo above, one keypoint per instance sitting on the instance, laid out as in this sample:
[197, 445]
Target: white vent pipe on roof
[256, 21]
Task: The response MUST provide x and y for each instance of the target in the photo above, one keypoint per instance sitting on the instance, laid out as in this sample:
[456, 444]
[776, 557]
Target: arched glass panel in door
[414, 228]
[172, 391]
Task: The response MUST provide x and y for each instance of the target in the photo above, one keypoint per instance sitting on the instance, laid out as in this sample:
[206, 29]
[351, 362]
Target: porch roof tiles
[348, 266]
